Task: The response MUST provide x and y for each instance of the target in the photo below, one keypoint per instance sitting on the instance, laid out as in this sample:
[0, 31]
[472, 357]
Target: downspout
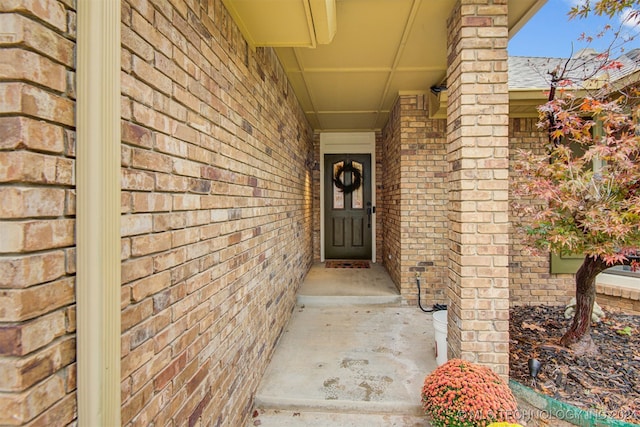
[98, 212]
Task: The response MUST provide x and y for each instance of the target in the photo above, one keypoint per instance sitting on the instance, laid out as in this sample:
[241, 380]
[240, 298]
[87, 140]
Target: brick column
[477, 139]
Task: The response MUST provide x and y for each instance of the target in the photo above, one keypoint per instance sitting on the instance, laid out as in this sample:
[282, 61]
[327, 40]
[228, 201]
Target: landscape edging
[552, 408]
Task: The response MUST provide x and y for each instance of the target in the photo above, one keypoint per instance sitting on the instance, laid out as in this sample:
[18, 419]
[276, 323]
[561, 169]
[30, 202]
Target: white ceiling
[380, 49]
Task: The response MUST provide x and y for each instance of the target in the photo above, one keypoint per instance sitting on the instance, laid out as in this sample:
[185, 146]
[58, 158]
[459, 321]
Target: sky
[550, 33]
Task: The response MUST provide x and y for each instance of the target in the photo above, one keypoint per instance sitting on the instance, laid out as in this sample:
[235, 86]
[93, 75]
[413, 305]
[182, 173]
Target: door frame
[348, 143]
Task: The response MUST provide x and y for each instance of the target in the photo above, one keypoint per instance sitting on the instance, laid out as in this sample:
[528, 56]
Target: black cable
[434, 307]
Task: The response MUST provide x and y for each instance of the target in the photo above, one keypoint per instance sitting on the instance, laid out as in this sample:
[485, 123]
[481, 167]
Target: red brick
[18, 64]
[147, 31]
[131, 225]
[30, 33]
[63, 413]
[24, 166]
[18, 132]
[52, 13]
[136, 135]
[16, 409]
[21, 202]
[167, 260]
[21, 98]
[150, 285]
[135, 314]
[150, 243]
[170, 221]
[197, 412]
[170, 333]
[151, 76]
[36, 235]
[173, 369]
[136, 269]
[186, 98]
[148, 117]
[141, 333]
[145, 159]
[172, 183]
[138, 91]
[28, 270]
[136, 358]
[186, 167]
[137, 180]
[23, 304]
[132, 406]
[136, 44]
[149, 371]
[151, 202]
[169, 68]
[19, 374]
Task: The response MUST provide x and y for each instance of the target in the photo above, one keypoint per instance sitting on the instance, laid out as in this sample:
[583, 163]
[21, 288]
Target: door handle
[370, 210]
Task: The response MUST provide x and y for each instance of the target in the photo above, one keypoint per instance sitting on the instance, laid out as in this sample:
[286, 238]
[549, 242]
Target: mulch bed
[607, 383]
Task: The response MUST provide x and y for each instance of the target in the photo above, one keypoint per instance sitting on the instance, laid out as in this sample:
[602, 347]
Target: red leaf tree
[586, 186]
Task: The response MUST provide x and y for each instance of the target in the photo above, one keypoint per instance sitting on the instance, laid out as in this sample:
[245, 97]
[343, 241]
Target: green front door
[347, 208]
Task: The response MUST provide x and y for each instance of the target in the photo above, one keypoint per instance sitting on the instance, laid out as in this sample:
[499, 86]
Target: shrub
[463, 394]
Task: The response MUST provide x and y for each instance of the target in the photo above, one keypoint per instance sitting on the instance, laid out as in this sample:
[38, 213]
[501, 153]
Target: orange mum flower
[463, 394]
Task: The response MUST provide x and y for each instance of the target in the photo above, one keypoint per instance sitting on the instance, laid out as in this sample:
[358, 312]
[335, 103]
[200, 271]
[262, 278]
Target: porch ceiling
[374, 51]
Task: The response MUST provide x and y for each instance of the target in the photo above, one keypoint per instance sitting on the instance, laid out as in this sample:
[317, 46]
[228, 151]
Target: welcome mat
[347, 264]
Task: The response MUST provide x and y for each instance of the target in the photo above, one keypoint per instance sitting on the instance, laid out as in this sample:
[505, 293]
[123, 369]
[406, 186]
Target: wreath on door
[356, 179]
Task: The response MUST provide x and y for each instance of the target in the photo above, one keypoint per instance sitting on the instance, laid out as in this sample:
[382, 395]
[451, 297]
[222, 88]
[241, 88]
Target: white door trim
[348, 143]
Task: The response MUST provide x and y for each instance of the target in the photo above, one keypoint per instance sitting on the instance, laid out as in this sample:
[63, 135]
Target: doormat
[347, 264]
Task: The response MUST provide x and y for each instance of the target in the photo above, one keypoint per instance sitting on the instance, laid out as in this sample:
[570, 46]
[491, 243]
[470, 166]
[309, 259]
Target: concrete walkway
[351, 355]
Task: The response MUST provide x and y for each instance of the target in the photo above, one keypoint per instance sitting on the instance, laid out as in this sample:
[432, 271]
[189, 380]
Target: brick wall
[379, 216]
[415, 194]
[413, 146]
[316, 197]
[618, 297]
[390, 196]
[531, 282]
[217, 212]
[37, 312]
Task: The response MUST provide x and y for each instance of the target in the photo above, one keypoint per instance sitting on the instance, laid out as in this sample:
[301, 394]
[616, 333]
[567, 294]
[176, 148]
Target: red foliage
[586, 183]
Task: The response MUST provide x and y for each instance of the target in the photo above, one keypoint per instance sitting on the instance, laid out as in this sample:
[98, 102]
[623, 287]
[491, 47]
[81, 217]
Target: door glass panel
[338, 196]
[357, 198]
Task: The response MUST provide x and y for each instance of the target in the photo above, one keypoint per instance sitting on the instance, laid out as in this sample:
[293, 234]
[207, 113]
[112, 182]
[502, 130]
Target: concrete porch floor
[351, 355]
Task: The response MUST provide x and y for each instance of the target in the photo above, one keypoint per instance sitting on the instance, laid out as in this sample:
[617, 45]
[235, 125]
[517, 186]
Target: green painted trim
[566, 264]
[550, 407]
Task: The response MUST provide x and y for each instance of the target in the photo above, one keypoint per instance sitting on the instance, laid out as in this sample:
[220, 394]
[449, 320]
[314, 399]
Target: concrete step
[337, 301]
[343, 286]
[287, 418]
[337, 363]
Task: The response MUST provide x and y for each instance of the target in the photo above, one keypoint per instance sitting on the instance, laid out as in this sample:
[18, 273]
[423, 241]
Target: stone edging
[552, 408]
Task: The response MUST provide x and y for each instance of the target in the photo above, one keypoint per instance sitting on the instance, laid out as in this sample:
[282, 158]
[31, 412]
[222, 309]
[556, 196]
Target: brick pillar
[477, 140]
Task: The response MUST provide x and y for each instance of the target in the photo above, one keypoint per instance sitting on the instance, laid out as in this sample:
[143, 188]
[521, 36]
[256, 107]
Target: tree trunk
[578, 336]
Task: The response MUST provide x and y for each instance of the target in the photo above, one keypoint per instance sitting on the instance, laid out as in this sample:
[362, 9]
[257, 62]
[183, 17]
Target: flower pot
[440, 327]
